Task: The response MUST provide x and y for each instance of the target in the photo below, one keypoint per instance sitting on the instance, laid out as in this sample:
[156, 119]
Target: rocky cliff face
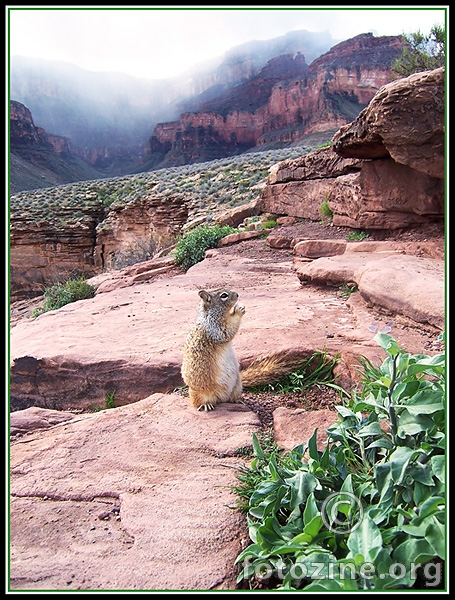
[24, 133]
[285, 101]
[39, 159]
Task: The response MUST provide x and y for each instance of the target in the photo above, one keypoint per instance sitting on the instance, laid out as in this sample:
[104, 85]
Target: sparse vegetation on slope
[204, 186]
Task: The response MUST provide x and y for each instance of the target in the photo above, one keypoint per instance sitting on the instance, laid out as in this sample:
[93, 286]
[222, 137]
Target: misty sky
[159, 43]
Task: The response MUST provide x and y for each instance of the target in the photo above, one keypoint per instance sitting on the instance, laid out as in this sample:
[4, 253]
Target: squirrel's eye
[224, 296]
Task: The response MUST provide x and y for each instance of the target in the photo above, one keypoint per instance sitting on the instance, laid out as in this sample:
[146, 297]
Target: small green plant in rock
[190, 249]
[110, 399]
[60, 294]
[355, 236]
[346, 290]
[325, 209]
[269, 224]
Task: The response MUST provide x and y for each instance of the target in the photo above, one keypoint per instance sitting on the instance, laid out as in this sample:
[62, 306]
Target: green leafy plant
[357, 236]
[368, 511]
[346, 290]
[325, 209]
[269, 224]
[190, 248]
[60, 294]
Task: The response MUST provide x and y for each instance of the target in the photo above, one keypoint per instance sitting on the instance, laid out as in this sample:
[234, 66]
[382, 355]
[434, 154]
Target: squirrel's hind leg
[237, 391]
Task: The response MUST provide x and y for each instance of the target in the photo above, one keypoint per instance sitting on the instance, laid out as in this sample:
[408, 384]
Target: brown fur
[270, 367]
[210, 368]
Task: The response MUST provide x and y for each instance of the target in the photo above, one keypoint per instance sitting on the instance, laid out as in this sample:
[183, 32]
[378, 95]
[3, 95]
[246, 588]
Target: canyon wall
[285, 101]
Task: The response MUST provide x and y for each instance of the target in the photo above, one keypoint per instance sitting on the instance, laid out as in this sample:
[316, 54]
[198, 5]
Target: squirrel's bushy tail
[270, 368]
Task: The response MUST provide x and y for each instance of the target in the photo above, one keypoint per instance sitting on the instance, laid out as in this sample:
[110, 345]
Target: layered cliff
[285, 101]
[39, 159]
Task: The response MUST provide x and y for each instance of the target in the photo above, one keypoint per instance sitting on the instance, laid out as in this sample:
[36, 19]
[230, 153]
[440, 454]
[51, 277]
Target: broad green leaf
[313, 447]
[371, 429]
[301, 484]
[421, 473]
[427, 394]
[435, 364]
[436, 536]
[316, 564]
[347, 485]
[431, 506]
[366, 540]
[383, 473]
[410, 425]
[311, 509]
[424, 409]
[264, 490]
[387, 343]
[399, 460]
[415, 530]
[422, 492]
[438, 464]
[251, 551]
[314, 526]
[257, 447]
[325, 458]
[383, 442]
[346, 412]
[271, 465]
[378, 513]
[413, 551]
[366, 406]
[302, 538]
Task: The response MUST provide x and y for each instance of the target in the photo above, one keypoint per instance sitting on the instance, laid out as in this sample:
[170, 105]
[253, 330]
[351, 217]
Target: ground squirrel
[210, 367]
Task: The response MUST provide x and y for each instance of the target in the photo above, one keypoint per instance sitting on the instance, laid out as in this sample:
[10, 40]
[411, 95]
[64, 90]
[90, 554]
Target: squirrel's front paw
[238, 308]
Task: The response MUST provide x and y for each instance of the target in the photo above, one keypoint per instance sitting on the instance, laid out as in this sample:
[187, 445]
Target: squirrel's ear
[205, 296]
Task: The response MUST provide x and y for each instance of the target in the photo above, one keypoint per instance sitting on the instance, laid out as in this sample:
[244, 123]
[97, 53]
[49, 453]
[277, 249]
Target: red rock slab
[133, 498]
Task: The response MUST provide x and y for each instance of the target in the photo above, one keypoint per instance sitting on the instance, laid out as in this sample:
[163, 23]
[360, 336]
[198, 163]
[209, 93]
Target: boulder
[292, 427]
[401, 284]
[404, 121]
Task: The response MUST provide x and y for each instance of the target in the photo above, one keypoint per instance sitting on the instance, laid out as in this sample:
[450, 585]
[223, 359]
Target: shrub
[190, 249]
[367, 512]
[422, 52]
[136, 252]
[60, 294]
